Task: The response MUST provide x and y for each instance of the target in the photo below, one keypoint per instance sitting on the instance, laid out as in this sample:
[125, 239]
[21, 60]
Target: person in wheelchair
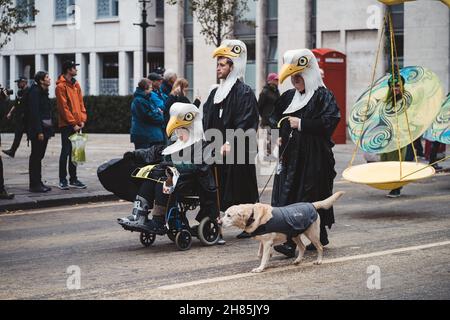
[178, 170]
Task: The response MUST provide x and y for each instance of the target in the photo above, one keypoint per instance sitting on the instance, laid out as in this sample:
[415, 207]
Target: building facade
[103, 39]
[97, 34]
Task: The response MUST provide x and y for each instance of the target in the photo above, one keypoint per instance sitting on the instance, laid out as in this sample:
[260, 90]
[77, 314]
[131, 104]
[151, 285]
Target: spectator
[157, 97]
[40, 128]
[18, 112]
[72, 118]
[147, 120]
[169, 79]
[178, 94]
[266, 103]
[4, 195]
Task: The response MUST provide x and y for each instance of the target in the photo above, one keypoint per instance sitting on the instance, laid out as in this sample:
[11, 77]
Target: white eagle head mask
[236, 51]
[187, 117]
[304, 62]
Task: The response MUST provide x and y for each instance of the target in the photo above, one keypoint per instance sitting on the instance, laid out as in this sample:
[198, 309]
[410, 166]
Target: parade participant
[185, 154]
[309, 115]
[233, 105]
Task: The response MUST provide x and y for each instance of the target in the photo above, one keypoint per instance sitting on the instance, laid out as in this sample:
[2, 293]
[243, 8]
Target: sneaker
[4, 195]
[394, 193]
[77, 184]
[9, 153]
[63, 185]
[221, 241]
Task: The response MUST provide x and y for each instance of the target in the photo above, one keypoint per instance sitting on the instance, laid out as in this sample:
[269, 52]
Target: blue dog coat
[291, 220]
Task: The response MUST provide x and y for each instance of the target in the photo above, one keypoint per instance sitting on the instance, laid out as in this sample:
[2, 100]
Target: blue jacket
[158, 98]
[147, 120]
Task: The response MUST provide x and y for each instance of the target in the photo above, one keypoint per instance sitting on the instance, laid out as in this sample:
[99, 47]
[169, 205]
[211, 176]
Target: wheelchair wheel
[172, 234]
[147, 239]
[208, 232]
[183, 240]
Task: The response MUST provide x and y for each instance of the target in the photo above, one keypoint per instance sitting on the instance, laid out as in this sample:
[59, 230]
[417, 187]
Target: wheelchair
[177, 227]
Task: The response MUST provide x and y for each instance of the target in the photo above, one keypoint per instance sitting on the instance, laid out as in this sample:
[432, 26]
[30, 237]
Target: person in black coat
[18, 112]
[266, 104]
[4, 195]
[40, 128]
[308, 116]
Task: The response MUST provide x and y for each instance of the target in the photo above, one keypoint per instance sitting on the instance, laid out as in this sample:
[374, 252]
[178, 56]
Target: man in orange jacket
[72, 118]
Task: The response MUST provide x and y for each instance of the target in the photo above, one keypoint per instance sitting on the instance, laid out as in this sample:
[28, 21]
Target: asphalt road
[406, 241]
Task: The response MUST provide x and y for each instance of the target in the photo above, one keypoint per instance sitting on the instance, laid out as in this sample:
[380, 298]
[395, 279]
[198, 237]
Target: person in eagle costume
[185, 154]
[233, 105]
[307, 116]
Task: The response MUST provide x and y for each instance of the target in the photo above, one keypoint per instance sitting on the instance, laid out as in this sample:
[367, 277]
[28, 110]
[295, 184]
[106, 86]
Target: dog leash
[281, 156]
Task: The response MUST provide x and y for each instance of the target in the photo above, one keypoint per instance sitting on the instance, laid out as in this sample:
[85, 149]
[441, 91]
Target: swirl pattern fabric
[422, 98]
[440, 129]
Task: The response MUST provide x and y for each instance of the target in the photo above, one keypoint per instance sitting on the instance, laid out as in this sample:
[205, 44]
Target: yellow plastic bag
[78, 141]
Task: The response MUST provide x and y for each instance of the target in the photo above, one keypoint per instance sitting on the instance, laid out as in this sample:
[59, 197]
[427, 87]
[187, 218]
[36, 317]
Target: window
[160, 9]
[272, 55]
[188, 16]
[64, 9]
[107, 8]
[27, 9]
[189, 66]
[250, 15]
[272, 9]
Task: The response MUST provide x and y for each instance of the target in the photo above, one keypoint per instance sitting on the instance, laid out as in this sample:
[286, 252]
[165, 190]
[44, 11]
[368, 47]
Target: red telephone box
[333, 63]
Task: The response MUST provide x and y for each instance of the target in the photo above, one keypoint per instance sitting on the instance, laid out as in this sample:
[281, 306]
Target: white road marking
[67, 208]
[291, 267]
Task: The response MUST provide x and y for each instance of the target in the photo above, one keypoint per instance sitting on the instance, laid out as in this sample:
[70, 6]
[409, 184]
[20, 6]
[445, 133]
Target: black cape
[237, 182]
[307, 163]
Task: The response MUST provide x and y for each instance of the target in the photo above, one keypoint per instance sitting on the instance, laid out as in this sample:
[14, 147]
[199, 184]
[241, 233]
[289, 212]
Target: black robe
[237, 182]
[307, 163]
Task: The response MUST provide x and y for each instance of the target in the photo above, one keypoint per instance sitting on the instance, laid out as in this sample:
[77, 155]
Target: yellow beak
[288, 70]
[224, 52]
[175, 123]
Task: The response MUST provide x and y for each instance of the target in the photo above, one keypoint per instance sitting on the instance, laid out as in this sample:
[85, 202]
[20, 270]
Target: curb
[57, 201]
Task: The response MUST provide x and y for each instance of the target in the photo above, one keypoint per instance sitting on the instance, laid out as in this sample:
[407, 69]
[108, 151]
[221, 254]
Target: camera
[4, 93]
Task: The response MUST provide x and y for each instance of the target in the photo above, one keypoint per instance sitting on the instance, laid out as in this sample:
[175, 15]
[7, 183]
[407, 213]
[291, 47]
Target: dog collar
[250, 220]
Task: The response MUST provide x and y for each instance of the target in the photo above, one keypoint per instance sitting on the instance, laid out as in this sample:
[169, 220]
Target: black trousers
[38, 149]
[66, 154]
[18, 134]
[434, 151]
[2, 181]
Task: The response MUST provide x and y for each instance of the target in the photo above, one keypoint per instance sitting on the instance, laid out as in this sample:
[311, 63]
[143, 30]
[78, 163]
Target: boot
[140, 211]
[287, 248]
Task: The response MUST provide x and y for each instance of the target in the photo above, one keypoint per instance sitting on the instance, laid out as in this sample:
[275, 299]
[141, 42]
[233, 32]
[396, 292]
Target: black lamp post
[144, 25]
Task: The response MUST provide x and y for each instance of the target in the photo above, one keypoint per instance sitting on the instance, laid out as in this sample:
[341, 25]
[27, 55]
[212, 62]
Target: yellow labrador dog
[272, 226]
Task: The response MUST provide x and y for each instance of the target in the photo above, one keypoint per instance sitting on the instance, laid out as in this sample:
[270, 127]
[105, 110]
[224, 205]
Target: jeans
[66, 153]
[38, 149]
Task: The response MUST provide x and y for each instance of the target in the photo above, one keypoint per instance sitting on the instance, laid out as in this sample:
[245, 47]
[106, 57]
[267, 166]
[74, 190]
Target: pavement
[101, 148]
